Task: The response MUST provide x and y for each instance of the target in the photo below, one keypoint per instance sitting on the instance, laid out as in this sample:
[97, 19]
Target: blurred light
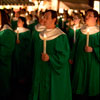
[30, 0]
[41, 5]
[54, 4]
[26, 14]
[61, 10]
[70, 11]
[97, 6]
[8, 6]
[1, 7]
[29, 8]
[75, 11]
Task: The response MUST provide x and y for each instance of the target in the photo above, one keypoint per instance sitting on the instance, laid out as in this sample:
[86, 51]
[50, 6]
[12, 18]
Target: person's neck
[51, 27]
[92, 25]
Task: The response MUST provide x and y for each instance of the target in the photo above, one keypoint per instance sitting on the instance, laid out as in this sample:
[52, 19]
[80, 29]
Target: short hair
[53, 14]
[78, 15]
[23, 20]
[94, 12]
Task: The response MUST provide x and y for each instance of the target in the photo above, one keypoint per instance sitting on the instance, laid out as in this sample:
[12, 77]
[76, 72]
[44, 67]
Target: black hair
[53, 14]
[4, 19]
[94, 12]
[23, 20]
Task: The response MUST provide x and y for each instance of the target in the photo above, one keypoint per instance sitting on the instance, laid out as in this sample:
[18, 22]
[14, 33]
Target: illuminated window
[97, 6]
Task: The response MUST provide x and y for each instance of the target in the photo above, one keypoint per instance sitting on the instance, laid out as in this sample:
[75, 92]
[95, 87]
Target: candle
[11, 14]
[87, 40]
[44, 44]
[74, 34]
[26, 14]
[17, 41]
[17, 34]
[62, 22]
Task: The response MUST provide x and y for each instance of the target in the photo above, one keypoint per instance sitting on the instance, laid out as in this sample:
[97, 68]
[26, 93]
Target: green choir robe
[71, 33]
[86, 76]
[22, 62]
[39, 28]
[51, 78]
[7, 44]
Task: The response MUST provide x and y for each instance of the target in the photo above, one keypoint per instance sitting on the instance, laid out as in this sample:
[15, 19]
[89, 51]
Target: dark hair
[31, 15]
[94, 12]
[53, 14]
[4, 19]
[78, 15]
[23, 20]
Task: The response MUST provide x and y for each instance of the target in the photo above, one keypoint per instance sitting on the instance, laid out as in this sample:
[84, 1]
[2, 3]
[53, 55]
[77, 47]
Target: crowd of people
[49, 56]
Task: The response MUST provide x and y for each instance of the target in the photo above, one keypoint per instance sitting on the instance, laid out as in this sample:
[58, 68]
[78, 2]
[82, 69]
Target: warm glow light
[45, 36]
[97, 6]
[75, 11]
[30, 8]
[54, 4]
[30, 0]
[58, 17]
[63, 19]
[70, 11]
[88, 30]
[8, 6]
[41, 5]
[1, 7]
[74, 28]
[61, 10]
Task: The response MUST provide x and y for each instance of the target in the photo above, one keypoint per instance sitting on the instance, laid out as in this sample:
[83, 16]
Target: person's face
[28, 18]
[20, 23]
[16, 14]
[90, 19]
[76, 20]
[41, 20]
[48, 21]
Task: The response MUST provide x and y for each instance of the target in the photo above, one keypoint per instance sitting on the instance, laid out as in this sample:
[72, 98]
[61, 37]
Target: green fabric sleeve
[61, 55]
[7, 43]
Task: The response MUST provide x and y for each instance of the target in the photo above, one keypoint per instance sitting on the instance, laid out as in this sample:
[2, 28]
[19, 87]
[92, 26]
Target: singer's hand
[18, 41]
[70, 61]
[88, 49]
[45, 57]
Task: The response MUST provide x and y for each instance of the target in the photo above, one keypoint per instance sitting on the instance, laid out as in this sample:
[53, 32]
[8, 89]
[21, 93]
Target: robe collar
[92, 29]
[51, 33]
[15, 19]
[21, 29]
[5, 27]
[40, 27]
[30, 22]
[77, 26]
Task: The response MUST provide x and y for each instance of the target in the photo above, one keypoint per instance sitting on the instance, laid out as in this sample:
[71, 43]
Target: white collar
[6, 27]
[23, 15]
[21, 29]
[30, 22]
[92, 29]
[77, 26]
[40, 27]
[51, 33]
[15, 19]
